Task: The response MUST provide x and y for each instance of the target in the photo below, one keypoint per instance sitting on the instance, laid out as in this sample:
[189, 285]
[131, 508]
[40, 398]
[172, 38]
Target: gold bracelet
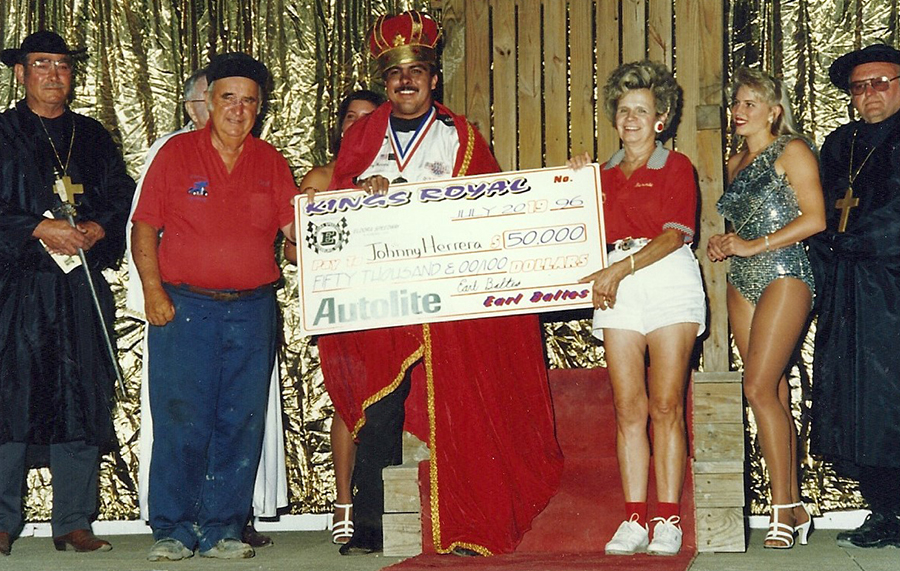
[766, 238]
[631, 257]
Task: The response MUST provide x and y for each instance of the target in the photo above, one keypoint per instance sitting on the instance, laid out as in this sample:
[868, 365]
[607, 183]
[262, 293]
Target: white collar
[656, 161]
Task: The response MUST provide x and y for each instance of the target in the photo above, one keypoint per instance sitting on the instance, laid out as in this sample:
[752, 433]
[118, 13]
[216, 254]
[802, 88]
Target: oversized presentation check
[462, 248]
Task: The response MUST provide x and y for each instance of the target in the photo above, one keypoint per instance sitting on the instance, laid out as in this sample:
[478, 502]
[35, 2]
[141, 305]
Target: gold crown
[405, 38]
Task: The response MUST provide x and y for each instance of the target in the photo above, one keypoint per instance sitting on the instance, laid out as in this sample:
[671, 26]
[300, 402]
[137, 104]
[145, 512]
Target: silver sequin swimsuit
[759, 201]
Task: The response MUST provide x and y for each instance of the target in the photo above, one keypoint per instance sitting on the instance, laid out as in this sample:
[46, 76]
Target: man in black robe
[56, 377]
[856, 371]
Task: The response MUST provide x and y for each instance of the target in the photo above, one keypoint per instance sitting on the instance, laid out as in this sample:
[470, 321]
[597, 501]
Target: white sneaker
[169, 549]
[229, 548]
[666, 536]
[630, 538]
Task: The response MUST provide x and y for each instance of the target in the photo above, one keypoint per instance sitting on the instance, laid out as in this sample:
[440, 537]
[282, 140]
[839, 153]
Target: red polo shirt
[661, 194]
[219, 228]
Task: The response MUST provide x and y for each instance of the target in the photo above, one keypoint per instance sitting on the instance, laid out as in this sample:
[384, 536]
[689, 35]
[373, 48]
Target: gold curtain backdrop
[140, 51]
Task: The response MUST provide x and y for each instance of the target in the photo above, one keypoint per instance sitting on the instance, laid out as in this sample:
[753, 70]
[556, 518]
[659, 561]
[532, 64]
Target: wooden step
[402, 534]
[402, 501]
[401, 488]
[718, 445]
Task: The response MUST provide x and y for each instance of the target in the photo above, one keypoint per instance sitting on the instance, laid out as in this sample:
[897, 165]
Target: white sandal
[780, 532]
[342, 529]
[804, 529]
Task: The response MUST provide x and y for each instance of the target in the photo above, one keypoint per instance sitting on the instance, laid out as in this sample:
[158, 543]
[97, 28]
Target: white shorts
[666, 292]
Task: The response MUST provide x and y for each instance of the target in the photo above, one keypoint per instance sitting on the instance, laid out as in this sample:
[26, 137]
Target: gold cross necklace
[849, 201]
[63, 183]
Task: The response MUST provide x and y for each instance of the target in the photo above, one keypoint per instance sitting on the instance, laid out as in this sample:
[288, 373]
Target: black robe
[56, 378]
[856, 368]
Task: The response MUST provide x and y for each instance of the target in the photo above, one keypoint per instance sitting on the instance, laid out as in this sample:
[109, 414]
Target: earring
[659, 126]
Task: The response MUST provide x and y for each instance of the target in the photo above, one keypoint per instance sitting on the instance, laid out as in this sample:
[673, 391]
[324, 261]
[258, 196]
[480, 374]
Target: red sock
[666, 510]
[636, 508]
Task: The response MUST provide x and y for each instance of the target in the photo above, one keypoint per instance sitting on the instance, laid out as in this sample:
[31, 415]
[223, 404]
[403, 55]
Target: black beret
[840, 70]
[43, 41]
[237, 64]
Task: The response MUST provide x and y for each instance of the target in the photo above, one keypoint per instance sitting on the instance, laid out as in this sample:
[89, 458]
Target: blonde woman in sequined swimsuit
[773, 202]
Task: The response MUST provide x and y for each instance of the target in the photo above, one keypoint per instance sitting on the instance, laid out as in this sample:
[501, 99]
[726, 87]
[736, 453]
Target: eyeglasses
[44, 65]
[878, 84]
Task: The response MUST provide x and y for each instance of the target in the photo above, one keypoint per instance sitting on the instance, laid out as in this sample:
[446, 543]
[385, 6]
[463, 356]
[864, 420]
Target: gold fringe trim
[432, 442]
[407, 363]
[432, 460]
[470, 148]
[476, 548]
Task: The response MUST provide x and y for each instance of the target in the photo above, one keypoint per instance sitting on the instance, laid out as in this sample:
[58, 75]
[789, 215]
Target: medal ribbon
[403, 154]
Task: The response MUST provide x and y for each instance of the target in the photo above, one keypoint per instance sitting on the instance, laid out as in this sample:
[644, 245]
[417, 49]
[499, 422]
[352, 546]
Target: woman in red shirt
[649, 299]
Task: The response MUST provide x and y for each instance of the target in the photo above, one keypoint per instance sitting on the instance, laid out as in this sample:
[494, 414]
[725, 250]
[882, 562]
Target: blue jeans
[209, 371]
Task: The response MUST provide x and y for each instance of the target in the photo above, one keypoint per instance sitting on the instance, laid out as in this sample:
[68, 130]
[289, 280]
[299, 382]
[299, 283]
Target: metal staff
[66, 191]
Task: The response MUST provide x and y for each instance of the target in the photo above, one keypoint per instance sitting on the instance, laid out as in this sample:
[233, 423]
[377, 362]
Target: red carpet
[571, 532]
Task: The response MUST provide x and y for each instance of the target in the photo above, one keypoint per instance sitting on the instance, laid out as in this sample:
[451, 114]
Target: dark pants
[209, 372]
[880, 487]
[73, 467]
[380, 445]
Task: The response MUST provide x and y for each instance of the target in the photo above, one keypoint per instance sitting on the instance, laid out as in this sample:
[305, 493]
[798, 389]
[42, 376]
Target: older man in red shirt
[218, 196]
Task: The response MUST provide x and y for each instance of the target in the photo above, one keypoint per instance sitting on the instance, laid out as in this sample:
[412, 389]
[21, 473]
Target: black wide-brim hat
[840, 70]
[237, 64]
[43, 41]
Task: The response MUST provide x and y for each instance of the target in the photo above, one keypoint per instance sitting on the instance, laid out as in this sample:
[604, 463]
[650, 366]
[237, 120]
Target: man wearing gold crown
[477, 389]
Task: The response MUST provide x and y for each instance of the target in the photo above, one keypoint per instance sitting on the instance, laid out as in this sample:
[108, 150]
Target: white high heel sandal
[782, 532]
[804, 529]
[342, 529]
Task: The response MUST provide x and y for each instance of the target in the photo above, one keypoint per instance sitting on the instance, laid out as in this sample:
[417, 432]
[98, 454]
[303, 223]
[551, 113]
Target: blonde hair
[773, 92]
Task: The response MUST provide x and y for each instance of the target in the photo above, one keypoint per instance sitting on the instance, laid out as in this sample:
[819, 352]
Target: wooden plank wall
[531, 79]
